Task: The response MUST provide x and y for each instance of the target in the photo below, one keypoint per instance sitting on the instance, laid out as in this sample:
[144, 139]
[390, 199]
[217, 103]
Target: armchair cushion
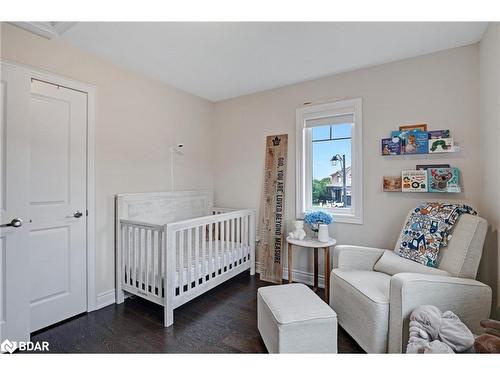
[391, 264]
[361, 300]
[349, 257]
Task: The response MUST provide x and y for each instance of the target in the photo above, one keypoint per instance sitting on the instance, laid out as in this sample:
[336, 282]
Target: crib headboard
[164, 207]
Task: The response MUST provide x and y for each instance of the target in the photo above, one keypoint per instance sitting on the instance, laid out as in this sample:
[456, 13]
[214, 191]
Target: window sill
[339, 217]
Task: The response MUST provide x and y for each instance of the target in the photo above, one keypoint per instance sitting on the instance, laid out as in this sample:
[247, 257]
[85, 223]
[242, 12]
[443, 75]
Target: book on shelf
[413, 141]
[391, 146]
[392, 183]
[413, 181]
[443, 180]
[441, 145]
[427, 166]
[433, 134]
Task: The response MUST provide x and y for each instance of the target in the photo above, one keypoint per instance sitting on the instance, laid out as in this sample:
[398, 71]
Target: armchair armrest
[468, 298]
[349, 257]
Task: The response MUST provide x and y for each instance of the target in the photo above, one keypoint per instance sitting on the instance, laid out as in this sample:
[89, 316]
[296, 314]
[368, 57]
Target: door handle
[76, 214]
[16, 223]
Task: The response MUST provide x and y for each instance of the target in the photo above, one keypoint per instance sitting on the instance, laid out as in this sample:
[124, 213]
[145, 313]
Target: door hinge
[86, 212]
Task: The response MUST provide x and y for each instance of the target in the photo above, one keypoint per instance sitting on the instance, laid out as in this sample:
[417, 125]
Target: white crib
[173, 246]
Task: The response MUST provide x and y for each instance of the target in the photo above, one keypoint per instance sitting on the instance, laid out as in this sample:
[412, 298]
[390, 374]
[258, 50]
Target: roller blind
[330, 120]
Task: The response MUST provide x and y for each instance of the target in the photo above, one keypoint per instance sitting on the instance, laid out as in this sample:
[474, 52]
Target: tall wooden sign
[272, 212]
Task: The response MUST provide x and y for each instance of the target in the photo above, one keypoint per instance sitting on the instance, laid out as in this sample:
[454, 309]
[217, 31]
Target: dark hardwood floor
[223, 320]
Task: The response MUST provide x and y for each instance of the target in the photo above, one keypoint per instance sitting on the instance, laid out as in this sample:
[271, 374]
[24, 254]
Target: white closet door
[57, 203]
[14, 161]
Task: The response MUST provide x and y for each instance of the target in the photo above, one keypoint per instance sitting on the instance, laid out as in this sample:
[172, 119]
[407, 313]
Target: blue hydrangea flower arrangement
[315, 218]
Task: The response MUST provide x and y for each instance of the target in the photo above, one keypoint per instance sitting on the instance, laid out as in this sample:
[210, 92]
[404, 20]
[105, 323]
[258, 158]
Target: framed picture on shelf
[421, 127]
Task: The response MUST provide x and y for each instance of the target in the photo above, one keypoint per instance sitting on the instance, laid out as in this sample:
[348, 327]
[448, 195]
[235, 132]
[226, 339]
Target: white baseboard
[299, 276]
[105, 299]
[108, 298]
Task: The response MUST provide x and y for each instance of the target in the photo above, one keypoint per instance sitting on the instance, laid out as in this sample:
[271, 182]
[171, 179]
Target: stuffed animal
[488, 342]
[432, 331]
[299, 233]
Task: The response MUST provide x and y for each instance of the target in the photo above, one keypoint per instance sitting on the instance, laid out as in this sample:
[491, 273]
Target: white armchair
[374, 291]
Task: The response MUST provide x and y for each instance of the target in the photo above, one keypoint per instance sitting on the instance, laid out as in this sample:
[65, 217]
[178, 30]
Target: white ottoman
[293, 319]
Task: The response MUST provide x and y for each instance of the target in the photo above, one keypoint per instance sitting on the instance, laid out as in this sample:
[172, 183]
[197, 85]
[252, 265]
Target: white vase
[323, 235]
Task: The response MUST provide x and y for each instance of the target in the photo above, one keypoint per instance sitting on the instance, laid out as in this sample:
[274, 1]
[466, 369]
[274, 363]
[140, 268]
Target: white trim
[105, 299]
[299, 276]
[91, 91]
[303, 196]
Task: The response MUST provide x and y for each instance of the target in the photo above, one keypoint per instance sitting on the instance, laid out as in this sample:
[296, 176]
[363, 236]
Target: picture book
[441, 145]
[391, 146]
[433, 134]
[443, 180]
[413, 141]
[392, 183]
[414, 181]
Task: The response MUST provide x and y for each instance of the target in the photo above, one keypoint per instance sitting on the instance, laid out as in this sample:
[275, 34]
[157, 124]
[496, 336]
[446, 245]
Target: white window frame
[354, 214]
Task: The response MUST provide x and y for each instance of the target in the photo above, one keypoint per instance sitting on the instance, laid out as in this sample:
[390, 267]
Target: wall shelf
[456, 149]
[424, 192]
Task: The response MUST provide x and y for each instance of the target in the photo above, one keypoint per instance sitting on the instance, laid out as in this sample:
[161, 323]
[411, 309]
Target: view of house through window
[331, 165]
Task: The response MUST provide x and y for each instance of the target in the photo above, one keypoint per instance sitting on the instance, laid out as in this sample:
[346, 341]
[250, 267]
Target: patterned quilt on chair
[428, 228]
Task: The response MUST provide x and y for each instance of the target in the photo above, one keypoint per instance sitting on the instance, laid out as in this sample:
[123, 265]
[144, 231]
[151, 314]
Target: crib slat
[238, 240]
[230, 247]
[197, 264]
[228, 244]
[181, 262]
[160, 260]
[232, 244]
[153, 259]
[242, 239]
[189, 257]
[217, 243]
[211, 259]
[154, 254]
[204, 266]
[223, 245]
[142, 235]
[134, 253]
[124, 252]
[130, 236]
[245, 218]
[146, 260]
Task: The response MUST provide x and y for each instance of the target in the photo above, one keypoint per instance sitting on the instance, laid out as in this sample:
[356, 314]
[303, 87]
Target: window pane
[328, 186]
[342, 131]
[321, 132]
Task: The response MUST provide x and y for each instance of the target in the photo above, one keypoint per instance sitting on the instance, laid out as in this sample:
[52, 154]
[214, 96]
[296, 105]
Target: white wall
[489, 52]
[441, 89]
[137, 120]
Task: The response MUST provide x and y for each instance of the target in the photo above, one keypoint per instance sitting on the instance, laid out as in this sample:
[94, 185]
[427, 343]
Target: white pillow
[391, 264]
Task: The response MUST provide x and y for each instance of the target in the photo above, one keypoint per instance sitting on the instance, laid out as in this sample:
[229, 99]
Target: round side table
[310, 243]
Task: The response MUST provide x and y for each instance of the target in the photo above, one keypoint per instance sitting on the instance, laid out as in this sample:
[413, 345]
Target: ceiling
[223, 60]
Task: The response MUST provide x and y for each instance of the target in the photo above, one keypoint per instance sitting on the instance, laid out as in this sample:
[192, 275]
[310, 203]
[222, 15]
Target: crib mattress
[205, 266]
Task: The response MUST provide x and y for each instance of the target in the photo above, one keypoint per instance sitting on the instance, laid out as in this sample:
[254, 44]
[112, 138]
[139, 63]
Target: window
[329, 159]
